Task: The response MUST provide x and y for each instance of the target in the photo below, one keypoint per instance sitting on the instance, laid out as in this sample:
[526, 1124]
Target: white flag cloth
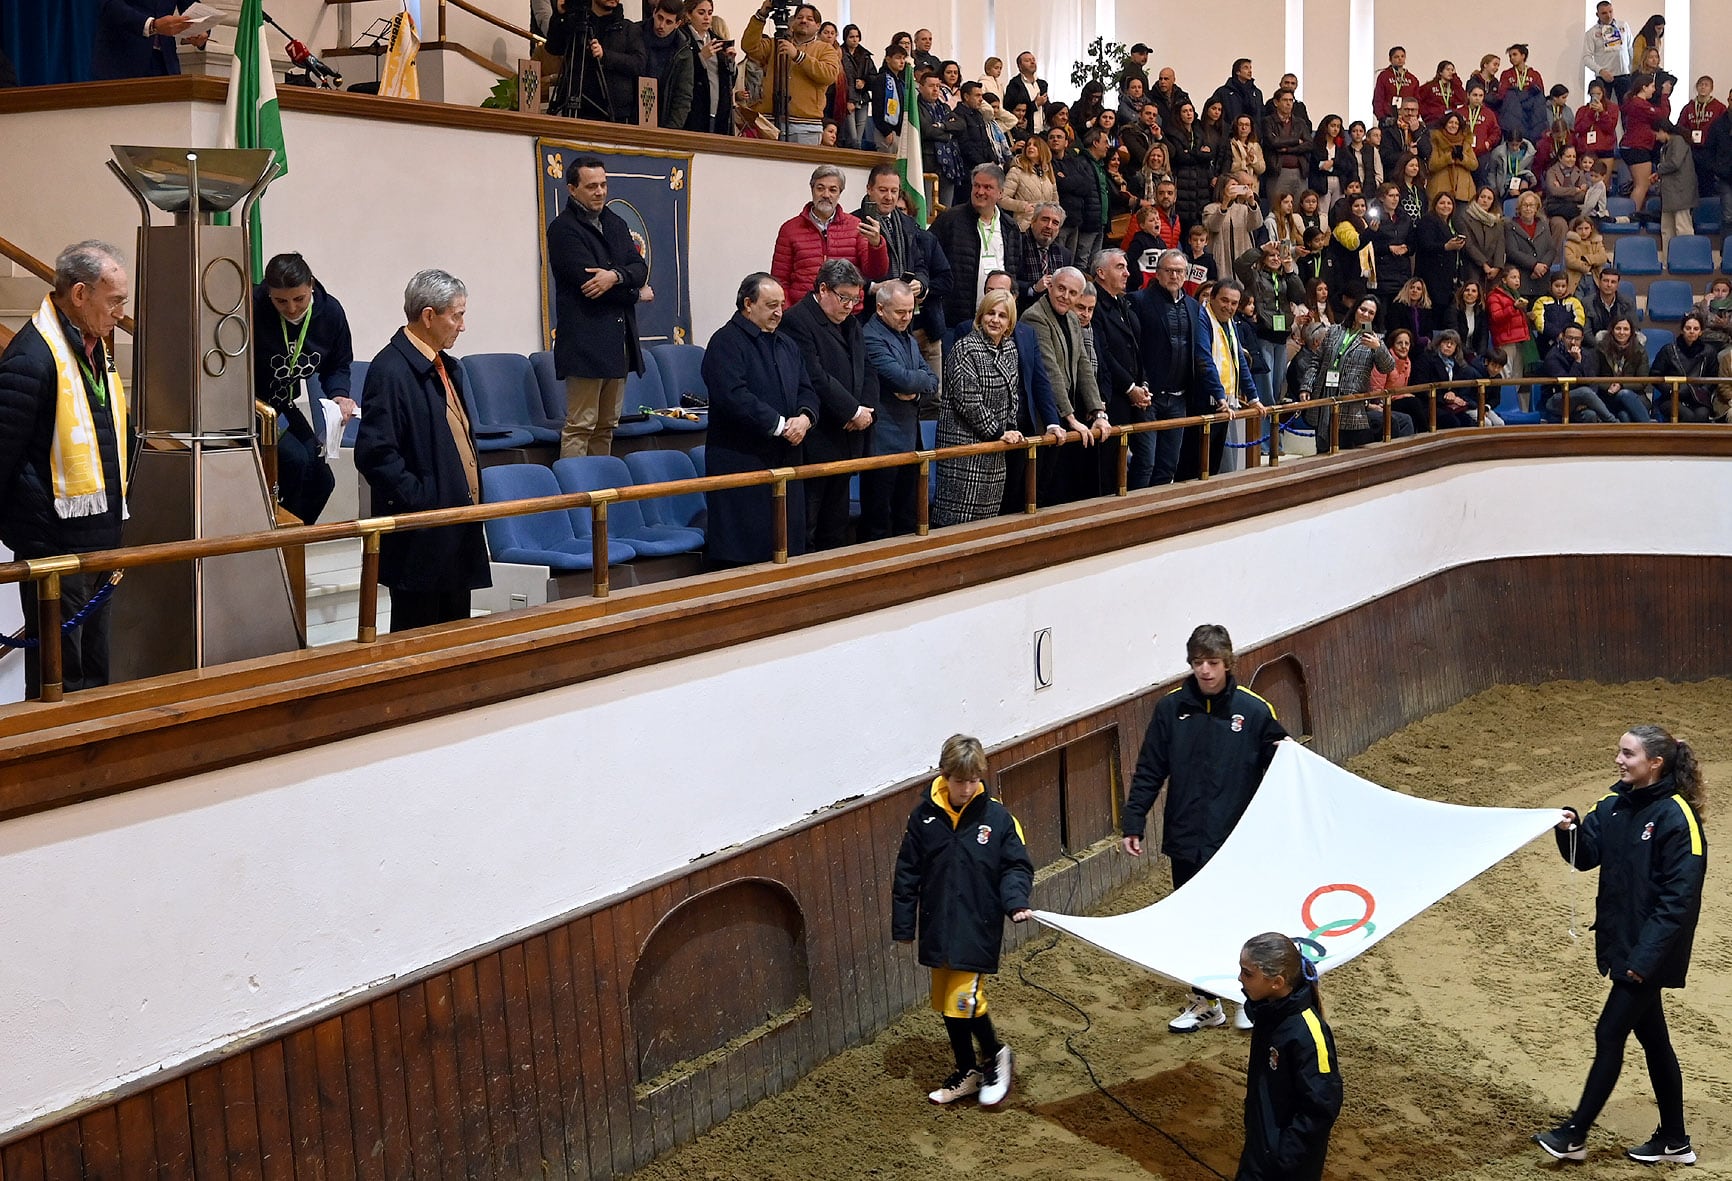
[1320, 854]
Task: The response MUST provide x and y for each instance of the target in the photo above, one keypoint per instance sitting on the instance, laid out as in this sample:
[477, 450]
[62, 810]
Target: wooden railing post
[1676, 383]
[1388, 418]
[779, 515]
[1335, 428]
[49, 669]
[1563, 409]
[442, 20]
[1274, 437]
[367, 624]
[598, 502]
[1254, 451]
[1434, 396]
[1206, 445]
[1030, 482]
[1480, 418]
[923, 496]
[1124, 463]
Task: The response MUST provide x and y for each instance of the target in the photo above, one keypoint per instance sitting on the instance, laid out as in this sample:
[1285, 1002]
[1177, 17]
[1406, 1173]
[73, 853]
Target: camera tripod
[571, 93]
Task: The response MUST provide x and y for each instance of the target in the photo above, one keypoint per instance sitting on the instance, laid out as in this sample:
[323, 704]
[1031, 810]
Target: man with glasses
[1071, 370]
[829, 336]
[1178, 363]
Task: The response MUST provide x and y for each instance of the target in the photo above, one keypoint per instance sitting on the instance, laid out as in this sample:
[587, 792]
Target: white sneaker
[996, 1083]
[1201, 1013]
[960, 1085]
[1241, 1019]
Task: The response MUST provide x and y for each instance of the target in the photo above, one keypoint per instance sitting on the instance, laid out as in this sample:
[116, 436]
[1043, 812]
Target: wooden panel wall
[523, 1058]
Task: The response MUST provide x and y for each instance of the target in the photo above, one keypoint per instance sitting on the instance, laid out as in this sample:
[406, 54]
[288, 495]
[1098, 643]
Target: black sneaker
[1563, 1143]
[1663, 1149]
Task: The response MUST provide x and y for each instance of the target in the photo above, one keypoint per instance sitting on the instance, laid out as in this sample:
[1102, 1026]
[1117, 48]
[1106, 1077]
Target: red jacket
[1639, 118]
[1486, 132]
[1509, 324]
[1604, 130]
[1433, 106]
[1695, 120]
[801, 247]
[1387, 95]
[1507, 82]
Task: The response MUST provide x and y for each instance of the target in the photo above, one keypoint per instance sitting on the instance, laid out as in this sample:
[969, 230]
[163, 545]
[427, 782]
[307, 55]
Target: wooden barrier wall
[589, 1045]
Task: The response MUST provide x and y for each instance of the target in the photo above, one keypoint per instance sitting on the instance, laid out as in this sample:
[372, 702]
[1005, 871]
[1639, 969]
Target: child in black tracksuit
[1293, 1082]
[1645, 835]
[962, 868]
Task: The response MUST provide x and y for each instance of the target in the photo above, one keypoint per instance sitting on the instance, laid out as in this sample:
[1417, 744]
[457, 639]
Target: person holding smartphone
[1341, 368]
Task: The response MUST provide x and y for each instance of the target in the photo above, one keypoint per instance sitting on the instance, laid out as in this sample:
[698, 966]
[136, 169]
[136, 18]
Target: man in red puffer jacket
[823, 229]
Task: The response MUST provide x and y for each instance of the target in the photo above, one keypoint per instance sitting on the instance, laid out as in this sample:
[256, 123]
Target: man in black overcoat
[761, 407]
[597, 275]
[834, 347]
[416, 450]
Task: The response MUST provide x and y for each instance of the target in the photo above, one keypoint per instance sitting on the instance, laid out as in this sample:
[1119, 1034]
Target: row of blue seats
[516, 401]
[564, 540]
[1688, 254]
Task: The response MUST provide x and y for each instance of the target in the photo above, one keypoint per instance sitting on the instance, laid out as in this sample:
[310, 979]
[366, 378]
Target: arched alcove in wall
[717, 967]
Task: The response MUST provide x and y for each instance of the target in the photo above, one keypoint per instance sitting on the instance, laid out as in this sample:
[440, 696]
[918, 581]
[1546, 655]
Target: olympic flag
[1321, 854]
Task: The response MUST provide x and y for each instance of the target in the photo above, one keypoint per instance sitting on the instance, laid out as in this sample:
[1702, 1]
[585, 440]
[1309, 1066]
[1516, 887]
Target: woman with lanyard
[1342, 368]
[1645, 836]
[300, 331]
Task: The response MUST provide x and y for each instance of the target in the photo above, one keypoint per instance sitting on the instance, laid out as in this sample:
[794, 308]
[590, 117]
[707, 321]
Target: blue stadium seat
[489, 436]
[1657, 339]
[1627, 289]
[1651, 208]
[1668, 300]
[696, 454]
[1509, 206]
[625, 518]
[682, 370]
[552, 390]
[1509, 408]
[1690, 254]
[653, 392]
[1710, 216]
[540, 539]
[503, 388]
[647, 424]
[1639, 255]
[684, 510]
[1617, 207]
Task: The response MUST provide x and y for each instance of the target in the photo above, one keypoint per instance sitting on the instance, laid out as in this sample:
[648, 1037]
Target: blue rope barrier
[1247, 446]
[1300, 431]
[92, 604]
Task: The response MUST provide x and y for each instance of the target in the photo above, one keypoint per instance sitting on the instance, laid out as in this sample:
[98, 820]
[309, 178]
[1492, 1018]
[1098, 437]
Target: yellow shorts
[958, 994]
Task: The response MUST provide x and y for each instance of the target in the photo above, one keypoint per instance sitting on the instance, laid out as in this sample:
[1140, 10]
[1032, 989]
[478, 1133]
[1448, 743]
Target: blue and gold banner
[651, 191]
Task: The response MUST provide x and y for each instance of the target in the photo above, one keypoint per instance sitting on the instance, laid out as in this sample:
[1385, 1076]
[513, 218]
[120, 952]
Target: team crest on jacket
[985, 834]
[1274, 1058]
[1238, 722]
[1648, 831]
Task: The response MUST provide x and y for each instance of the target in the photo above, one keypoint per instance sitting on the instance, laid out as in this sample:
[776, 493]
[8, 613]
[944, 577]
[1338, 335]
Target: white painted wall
[358, 202]
[149, 927]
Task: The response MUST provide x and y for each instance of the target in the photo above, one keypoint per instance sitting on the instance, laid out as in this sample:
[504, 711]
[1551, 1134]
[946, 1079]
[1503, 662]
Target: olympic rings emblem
[1339, 927]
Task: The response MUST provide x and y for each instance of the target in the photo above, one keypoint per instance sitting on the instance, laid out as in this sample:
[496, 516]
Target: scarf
[75, 456]
[1484, 217]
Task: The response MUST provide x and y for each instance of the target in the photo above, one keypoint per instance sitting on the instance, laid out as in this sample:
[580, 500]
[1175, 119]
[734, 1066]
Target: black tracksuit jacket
[1214, 750]
[1292, 1089]
[1653, 857]
[960, 882]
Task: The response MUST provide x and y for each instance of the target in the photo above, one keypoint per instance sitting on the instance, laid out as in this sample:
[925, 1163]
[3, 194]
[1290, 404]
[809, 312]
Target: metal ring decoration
[216, 362]
[234, 318]
[1333, 928]
[204, 286]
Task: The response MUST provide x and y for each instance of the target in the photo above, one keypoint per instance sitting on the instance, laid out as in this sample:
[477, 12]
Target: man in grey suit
[1074, 387]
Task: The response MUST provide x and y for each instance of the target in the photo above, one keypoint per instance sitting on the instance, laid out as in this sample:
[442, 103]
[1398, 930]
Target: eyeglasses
[847, 301]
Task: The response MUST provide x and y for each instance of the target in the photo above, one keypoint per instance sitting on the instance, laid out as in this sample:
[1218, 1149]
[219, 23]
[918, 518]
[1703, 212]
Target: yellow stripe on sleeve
[1317, 1036]
[1690, 819]
[1264, 700]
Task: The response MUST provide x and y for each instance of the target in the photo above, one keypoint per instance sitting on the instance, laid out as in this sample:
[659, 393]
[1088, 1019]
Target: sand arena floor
[1459, 1036]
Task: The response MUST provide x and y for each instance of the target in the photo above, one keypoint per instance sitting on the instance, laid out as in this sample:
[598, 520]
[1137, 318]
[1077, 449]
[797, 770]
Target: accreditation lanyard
[300, 341]
[1332, 379]
[988, 231]
[1521, 79]
[98, 386]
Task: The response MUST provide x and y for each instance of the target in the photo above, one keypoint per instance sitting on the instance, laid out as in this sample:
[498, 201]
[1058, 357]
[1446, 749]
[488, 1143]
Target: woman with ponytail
[1293, 1084]
[1645, 835]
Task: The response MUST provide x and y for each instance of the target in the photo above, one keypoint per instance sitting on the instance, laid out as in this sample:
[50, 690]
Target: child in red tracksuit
[962, 868]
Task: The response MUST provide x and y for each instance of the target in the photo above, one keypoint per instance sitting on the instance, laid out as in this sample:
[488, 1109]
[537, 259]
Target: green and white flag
[910, 161]
[252, 119]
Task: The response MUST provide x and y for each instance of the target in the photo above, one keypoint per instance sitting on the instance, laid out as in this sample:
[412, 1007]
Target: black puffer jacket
[28, 524]
[1079, 190]
[1652, 857]
[1292, 1089]
[957, 883]
[1214, 750]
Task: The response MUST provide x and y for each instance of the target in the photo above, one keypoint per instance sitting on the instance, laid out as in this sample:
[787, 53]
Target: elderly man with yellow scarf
[63, 431]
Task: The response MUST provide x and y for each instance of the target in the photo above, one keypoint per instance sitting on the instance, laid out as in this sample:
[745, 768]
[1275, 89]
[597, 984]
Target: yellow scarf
[75, 458]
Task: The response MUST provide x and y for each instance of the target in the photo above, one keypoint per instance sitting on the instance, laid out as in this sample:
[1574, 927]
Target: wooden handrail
[44, 272]
[496, 22]
[46, 572]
